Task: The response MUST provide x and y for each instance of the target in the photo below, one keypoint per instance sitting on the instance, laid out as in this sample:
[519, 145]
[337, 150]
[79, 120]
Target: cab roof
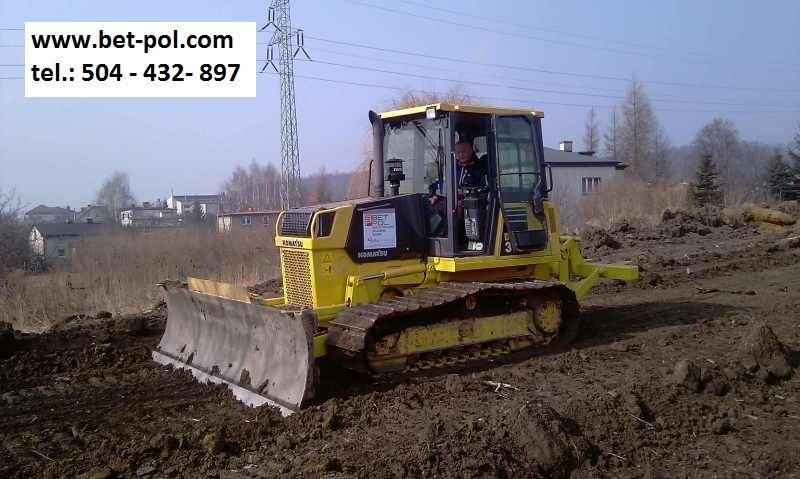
[465, 108]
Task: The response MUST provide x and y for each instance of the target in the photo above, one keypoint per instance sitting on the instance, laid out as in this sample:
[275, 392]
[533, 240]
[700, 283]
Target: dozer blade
[263, 354]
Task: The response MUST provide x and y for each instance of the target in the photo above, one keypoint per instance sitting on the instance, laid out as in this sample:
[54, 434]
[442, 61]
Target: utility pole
[284, 38]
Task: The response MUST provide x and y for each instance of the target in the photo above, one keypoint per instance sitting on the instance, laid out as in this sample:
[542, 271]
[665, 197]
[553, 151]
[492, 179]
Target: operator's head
[464, 152]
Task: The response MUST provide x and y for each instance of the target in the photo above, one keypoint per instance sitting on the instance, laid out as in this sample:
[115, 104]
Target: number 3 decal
[507, 246]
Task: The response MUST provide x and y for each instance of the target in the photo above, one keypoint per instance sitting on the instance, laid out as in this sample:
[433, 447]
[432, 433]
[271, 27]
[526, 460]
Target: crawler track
[353, 335]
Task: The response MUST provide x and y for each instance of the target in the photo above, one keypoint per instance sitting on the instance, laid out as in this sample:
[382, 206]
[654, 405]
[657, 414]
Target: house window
[246, 220]
[61, 252]
[590, 184]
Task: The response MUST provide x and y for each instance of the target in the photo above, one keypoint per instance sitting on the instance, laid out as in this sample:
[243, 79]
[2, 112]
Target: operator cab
[470, 164]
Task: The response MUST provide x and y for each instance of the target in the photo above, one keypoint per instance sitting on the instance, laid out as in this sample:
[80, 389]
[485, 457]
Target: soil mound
[6, 339]
[596, 238]
[679, 223]
[551, 444]
[764, 351]
[269, 287]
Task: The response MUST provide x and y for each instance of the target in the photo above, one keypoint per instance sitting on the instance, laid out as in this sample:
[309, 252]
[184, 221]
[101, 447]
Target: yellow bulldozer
[455, 255]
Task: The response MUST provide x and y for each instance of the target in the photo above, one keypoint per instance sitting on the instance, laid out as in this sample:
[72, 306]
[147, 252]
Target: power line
[524, 88]
[530, 102]
[504, 77]
[452, 70]
[497, 20]
[498, 32]
[399, 88]
[511, 100]
[472, 82]
[545, 71]
[530, 27]
[529, 37]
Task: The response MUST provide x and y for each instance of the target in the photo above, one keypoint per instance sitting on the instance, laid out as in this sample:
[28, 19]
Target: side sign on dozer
[264, 355]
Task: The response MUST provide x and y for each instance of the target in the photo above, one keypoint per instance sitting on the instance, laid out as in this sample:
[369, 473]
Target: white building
[184, 204]
[577, 174]
[55, 242]
[148, 216]
[248, 221]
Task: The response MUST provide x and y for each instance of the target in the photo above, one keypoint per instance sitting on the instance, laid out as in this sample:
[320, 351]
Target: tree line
[741, 170]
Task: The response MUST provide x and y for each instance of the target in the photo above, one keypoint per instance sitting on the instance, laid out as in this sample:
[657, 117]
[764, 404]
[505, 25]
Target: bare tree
[591, 132]
[610, 139]
[637, 132]
[115, 194]
[660, 154]
[408, 99]
[256, 187]
[720, 139]
[320, 191]
[14, 247]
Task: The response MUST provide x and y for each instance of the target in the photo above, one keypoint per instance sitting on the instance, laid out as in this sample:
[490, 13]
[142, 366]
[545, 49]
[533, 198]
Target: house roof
[252, 213]
[48, 210]
[89, 208]
[150, 208]
[198, 198]
[558, 158]
[70, 229]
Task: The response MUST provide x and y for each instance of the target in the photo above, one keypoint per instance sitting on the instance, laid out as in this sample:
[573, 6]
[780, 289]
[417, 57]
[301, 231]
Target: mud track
[663, 381]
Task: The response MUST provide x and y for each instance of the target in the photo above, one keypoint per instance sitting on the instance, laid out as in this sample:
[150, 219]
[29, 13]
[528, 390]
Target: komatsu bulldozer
[428, 271]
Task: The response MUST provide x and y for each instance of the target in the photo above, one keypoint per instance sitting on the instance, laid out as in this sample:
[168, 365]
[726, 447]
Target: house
[49, 214]
[148, 215]
[247, 221]
[577, 174]
[55, 242]
[94, 214]
[184, 204]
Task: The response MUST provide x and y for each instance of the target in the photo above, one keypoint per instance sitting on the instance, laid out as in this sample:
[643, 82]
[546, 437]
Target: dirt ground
[677, 375]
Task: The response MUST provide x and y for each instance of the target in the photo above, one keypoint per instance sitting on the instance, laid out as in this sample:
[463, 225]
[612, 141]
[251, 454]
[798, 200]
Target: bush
[14, 246]
[633, 200]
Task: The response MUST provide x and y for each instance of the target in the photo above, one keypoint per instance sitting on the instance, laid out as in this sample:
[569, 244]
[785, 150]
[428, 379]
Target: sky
[697, 60]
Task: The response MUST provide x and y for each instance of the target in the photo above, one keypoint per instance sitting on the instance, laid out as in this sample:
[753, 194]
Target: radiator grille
[297, 277]
[296, 223]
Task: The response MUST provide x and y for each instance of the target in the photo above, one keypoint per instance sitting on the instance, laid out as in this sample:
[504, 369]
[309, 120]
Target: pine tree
[779, 176]
[794, 152]
[706, 189]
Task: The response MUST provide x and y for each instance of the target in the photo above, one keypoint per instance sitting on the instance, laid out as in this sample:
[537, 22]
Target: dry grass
[632, 200]
[118, 272]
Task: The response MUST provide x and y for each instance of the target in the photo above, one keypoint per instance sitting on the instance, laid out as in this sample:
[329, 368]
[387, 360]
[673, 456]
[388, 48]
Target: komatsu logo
[381, 253]
[296, 243]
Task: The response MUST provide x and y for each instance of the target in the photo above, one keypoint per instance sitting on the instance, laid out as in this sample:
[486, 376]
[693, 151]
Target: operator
[470, 170]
